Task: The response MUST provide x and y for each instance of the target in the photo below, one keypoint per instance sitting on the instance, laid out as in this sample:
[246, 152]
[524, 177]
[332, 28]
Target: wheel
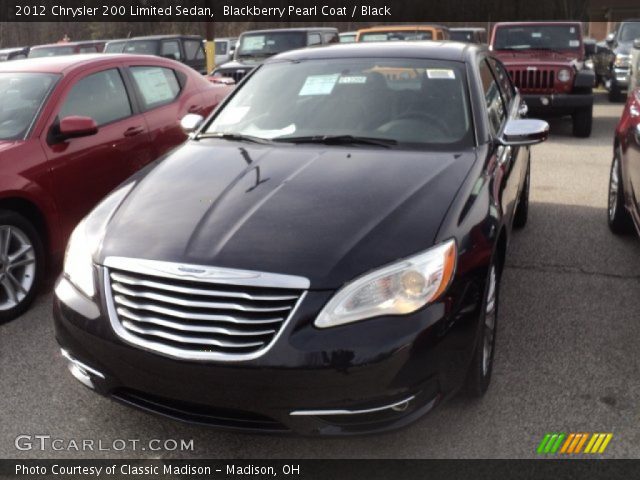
[582, 121]
[522, 210]
[479, 375]
[619, 219]
[615, 94]
[21, 264]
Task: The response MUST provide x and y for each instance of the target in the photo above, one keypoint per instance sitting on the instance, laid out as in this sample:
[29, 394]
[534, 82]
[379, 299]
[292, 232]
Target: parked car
[71, 129]
[386, 33]
[634, 76]
[624, 181]
[327, 248]
[66, 48]
[546, 61]
[255, 46]
[618, 58]
[225, 47]
[468, 34]
[347, 37]
[15, 53]
[186, 49]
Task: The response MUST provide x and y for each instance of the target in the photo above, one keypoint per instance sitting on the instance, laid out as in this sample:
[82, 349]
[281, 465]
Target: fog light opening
[81, 372]
[401, 407]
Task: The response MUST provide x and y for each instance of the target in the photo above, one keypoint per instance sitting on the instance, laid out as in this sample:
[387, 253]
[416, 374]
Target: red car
[71, 129]
[624, 184]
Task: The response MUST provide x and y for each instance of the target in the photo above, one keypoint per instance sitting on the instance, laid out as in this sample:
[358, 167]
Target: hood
[542, 57]
[245, 64]
[325, 213]
[6, 145]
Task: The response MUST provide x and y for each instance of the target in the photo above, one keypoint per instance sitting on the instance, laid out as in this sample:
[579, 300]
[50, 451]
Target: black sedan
[323, 255]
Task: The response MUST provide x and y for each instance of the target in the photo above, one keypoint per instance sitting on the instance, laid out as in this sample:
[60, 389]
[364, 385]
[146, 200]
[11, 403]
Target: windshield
[142, 47]
[543, 37]
[22, 95]
[629, 32]
[395, 35]
[404, 101]
[347, 37]
[270, 43]
[51, 52]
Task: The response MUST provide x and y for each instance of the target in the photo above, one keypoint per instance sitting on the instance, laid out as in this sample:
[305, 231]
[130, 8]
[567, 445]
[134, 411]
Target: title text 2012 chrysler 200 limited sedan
[323, 256]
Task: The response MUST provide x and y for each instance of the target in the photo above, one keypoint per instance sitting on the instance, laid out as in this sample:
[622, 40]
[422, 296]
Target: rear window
[51, 52]
[142, 47]
[158, 86]
[115, 47]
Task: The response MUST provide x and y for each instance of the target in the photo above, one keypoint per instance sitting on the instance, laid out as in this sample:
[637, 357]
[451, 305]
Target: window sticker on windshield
[351, 79]
[536, 35]
[572, 30]
[319, 85]
[574, 43]
[436, 73]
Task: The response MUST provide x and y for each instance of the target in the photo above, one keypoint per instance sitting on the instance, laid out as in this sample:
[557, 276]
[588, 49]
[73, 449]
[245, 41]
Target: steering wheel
[430, 118]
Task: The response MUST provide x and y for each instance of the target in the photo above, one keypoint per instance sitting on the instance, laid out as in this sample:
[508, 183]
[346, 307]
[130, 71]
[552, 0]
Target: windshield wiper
[340, 140]
[235, 136]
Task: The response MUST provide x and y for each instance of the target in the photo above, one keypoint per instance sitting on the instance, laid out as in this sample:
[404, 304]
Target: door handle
[133, 131]
[504, 153]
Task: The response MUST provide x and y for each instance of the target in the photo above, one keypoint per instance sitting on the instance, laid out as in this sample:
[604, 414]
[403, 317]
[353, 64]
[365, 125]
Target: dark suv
[256, 46]
[618, 69]
[546, 61]
[187, 49]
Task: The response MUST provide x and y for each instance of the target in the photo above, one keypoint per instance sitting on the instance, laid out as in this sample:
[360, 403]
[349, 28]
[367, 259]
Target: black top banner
[382, 11]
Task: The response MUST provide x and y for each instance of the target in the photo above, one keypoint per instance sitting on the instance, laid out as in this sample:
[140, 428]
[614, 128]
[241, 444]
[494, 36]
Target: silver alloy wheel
[17, 266]
[489, 321]
[614, 186]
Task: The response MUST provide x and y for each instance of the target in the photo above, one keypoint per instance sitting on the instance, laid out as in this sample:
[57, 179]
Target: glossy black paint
[328, 213]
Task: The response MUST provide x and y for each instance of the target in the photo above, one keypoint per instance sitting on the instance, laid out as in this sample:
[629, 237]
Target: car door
[85, 169]
[166, 95]
[505, 181]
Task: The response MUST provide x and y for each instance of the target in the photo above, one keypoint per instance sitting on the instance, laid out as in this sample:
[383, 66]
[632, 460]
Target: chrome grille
[194, 318]
[538, 80]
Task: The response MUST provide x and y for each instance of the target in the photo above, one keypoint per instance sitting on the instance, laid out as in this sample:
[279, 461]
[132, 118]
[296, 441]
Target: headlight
[623, 60]
[85, 240]
[564, 75]
[398, 289]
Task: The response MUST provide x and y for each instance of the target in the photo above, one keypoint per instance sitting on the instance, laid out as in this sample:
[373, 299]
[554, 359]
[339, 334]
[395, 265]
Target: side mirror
[76, 126]
[636, 44]
[524, 132]
[610, 38]
[190, 122]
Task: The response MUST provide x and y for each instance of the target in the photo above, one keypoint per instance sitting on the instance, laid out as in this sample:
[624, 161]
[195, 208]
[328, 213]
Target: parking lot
[566, 356]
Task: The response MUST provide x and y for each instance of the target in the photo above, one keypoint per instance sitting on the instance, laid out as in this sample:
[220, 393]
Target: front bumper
[557, 102]
[359, 378]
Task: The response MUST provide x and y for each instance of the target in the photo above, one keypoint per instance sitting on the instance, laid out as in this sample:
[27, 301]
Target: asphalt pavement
[566, 360]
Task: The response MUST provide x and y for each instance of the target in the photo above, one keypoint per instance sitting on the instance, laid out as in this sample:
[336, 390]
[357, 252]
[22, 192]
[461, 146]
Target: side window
[493, 99]
[439, 35]
[157, 86]
[506, 87]
[193, 50]
[171, 49]
[314, 39]
[221, 48]
[101, 96]
[331, 38]
[90, 49]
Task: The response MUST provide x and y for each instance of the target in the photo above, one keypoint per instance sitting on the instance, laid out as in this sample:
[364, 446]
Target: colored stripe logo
[574, 443]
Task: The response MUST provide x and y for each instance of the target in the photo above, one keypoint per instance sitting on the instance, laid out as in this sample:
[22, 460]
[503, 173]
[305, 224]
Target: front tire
[582, 122]
[479, 375]
[21, 264]
[618, 217]
[615, 93]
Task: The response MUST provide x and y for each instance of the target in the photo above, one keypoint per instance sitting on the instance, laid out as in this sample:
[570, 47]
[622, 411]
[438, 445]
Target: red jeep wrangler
[546, 61]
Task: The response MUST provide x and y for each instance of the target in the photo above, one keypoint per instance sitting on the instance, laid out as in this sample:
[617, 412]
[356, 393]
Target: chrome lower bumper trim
[398, 406]
[81, 371]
